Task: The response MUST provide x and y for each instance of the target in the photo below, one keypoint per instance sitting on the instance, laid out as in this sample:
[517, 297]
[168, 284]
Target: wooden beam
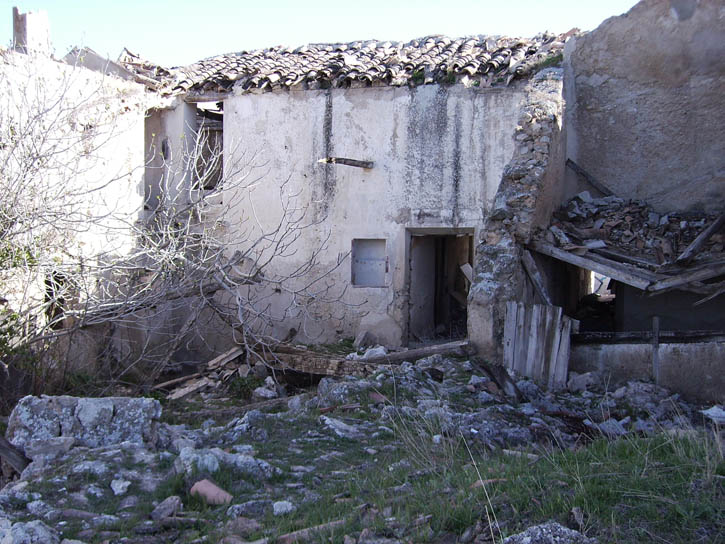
[535, 275]
[623, 257]
[716, 293]
[701, 274]
[646, 336]
[319, 363]
[610, 269]
[176, 381]
[225, 357]
[590, 179]
[419, 353]
[348, 162]
[193, 387]
[197, 97]
[697, 243]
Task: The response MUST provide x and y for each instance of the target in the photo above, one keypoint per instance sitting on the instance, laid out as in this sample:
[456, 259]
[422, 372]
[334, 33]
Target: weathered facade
[433, 126]
[409, 181]
[71, 147]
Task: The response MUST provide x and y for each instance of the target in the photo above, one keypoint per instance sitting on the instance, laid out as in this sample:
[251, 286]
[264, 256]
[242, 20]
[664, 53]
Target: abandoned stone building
[430, 177]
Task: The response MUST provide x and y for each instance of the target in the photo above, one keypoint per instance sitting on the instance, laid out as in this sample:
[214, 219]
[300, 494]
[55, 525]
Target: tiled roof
[477, 60]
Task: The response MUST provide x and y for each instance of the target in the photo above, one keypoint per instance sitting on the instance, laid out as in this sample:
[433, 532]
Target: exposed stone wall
[644, 95]
[528, 191]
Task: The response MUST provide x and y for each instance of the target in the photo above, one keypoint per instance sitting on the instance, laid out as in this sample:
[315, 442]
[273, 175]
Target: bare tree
[83, 265]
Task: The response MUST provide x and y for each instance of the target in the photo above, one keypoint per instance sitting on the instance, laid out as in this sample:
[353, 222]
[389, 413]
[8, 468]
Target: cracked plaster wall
[439, 152]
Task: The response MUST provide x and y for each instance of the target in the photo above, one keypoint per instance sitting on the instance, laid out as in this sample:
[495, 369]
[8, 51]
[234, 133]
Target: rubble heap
[283, 461]
[632, 227]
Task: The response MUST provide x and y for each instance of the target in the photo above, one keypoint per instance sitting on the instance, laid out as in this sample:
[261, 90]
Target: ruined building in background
[415, 191]
[429, 172]
[398, 153]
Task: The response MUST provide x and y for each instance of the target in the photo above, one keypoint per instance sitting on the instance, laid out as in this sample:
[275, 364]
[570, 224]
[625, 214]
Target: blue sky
[176, 32]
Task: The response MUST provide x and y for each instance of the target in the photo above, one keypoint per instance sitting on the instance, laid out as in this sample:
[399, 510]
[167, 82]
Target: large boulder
[32, 532]
[92, 422]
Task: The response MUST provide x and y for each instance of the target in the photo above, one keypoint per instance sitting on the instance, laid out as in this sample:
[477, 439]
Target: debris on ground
[120, 469]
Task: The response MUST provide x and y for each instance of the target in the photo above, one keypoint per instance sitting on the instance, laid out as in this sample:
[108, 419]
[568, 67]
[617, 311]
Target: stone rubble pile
[629, 226]
[89, 452]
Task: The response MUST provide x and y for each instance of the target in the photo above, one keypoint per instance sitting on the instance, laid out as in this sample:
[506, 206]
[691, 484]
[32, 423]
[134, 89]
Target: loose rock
[167, 508]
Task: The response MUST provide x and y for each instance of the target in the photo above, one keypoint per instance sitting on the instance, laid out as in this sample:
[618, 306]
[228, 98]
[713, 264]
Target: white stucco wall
[72, 155]
[438, 155]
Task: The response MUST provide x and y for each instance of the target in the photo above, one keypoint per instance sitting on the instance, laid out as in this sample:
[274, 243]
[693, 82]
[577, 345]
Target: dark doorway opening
[440, 267]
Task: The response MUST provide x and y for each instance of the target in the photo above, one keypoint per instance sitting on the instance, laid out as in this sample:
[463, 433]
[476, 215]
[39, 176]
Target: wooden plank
[509, 335]
[532, 354]
[623, 257]
[611, 270]
[640, 272]
[500, 377]
[523, 322]
[537, 279]
[538, 348]
[189, 389]
[697, 243]
[467, 270]
[225, 357]
[562, 358]
[720, 290]
[176, 381]
[419, 353]
[14, 456]
[552, 344]
[590, 179]
[701, 274]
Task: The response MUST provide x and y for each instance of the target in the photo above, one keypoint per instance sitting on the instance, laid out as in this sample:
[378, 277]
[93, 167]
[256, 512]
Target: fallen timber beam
[176, 381]
[535, 276]
[701, 274]
[697, 243]
[319, 365]
[614, 255]
[610, 269]
[459, 346]
[315, 363]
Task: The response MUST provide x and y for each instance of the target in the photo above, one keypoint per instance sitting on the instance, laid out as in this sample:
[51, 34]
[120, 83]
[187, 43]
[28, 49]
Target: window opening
[369, 262]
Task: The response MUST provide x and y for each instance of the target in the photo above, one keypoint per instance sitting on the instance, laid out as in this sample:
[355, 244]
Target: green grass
[554, 60]
[242, 388]
[667, 488]
[631, 490]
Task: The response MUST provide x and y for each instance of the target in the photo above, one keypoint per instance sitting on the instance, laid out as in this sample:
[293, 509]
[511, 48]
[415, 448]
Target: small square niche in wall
[369, 262]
